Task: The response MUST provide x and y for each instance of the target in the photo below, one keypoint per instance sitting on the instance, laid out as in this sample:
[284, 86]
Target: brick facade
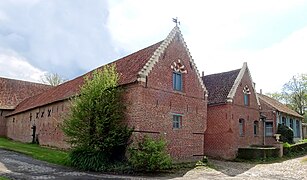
[3, 127]
[222, 138]
[150, 109]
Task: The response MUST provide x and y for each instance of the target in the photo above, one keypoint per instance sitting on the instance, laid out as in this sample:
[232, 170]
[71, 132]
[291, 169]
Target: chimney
[260, 91]
[202, 74]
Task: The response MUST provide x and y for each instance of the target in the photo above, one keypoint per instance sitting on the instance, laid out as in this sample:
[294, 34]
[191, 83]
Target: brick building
[233, 118]
[277, 113]
[164, 94]
[12, 92]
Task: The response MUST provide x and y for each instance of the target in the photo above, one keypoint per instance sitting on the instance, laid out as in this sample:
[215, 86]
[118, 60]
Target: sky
[72, 37]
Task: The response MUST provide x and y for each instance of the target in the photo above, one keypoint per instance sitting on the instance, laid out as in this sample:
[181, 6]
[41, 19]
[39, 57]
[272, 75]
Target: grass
[41, 153]
[3, 178]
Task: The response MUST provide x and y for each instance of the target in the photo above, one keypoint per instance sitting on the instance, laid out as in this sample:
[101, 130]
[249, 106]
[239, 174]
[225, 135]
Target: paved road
[17, 166]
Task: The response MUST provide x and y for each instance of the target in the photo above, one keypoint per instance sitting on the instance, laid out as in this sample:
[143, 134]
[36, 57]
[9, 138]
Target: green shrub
[150, 155]
[286, 133]
[87, 159]
[95, 126]
[286, 145]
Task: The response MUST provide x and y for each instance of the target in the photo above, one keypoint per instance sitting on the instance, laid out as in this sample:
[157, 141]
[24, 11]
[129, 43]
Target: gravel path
[286, 170]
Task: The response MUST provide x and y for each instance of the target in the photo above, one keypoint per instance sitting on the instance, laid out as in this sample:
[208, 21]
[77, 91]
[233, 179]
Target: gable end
[144, 72]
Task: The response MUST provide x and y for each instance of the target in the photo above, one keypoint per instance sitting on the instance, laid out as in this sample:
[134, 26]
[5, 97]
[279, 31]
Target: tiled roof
[127, 67]
[219, 85]
[278, 105]
[14, 91]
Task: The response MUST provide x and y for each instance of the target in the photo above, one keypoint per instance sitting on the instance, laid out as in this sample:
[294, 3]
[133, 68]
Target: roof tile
[127, 67]
[14, 91]
[278, 105]
[219, 85]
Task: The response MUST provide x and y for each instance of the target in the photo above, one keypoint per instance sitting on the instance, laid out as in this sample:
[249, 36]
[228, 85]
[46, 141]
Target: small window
[298, 129]
[256, 128]
[177, 81]
[246, 99]
[177, 121]
[241, 127]
[283, 121]
[291, 123]
[268, 128]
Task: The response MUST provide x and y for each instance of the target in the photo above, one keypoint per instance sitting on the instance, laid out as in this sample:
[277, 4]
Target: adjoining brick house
[277, 113]
[164, 94]
[304, 130]
[12, 92]
[233, 119]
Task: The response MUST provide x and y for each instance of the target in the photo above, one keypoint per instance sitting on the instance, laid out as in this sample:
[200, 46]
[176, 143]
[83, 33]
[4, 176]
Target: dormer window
[246, 93]
[178, 70]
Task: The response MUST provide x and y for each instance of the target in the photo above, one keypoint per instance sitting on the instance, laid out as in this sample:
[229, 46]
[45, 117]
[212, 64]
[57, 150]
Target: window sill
[179, 92]
[176, 129]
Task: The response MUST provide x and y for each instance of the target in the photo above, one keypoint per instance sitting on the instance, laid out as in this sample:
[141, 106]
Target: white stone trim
[233, 90]
[143, 73]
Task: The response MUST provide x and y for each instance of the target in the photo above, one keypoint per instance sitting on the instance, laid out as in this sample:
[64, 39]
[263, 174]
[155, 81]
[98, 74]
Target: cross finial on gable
[175, 20]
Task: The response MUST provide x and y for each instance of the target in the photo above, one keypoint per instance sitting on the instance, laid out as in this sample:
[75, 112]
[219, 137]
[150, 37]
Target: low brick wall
[257, 152]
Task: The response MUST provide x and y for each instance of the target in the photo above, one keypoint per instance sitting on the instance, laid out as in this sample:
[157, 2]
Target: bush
[295, 149]
[150, 155]
[95, 126]
[286, 133]
[87, 159]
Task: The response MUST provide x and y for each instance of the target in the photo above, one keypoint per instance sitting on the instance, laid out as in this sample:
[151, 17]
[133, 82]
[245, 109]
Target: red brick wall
[153, 104]
[47, 127]
[270, 114]
[222, 138]
[249, 113]
[219, 139]
[150, 107]
[3, 127]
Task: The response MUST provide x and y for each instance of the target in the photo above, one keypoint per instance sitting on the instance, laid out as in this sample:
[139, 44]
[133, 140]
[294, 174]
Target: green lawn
[35, 151]
[3, 178]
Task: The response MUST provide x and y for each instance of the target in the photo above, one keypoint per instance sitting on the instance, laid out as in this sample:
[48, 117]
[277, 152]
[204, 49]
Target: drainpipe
[263, 131]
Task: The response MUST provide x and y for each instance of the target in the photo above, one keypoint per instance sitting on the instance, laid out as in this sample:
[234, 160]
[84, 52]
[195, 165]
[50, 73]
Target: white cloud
[210, 28]
[14, 66]
[274, 66]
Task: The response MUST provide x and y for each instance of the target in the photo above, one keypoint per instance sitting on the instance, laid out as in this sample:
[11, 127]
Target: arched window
[256, 128]
[178, 69]
[246, 93]
[177, 81]
[241, 127]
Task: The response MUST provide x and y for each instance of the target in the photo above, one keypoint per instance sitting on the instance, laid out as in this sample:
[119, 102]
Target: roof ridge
[221, 73]
[24, 81]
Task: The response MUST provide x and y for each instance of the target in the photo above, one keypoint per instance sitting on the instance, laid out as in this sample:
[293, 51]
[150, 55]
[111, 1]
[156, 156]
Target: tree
[94, 126]
[296, 90]
[52, 79]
